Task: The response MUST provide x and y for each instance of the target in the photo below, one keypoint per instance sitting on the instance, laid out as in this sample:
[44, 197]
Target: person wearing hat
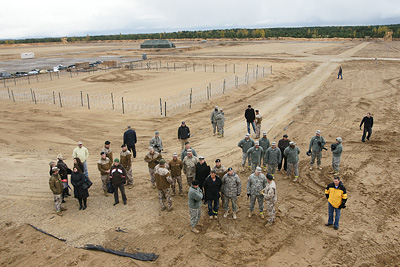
[57, 188]
[118, 180]
[63, 172]
[264, 143]
[185, 149]
[250, 117]
[255, 184]
[156, 142]
[220, 122]
[195, 195]
[175, 167]
[368, 122]
[152, 158]
[202, 171]
[317, 143]
[258, 123]
[336, 194]
[212, 188]
[189, 167]
[270, 197]
[214, 119]
[273, 157]
[125, 158]
[282, 145]
[337, 149]
[291, 154]
[245, 145]
[52, 164]
[163, 183]
[231, 188]
[255, 153]
[104, 166]
[107, 149]
[219, 169]
[83, 154]
[130, 140]
[183, 133]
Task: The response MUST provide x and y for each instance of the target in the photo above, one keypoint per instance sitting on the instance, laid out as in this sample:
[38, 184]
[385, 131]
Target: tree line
[298, 32]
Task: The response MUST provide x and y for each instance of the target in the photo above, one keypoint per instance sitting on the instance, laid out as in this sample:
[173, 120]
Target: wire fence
[146, 106]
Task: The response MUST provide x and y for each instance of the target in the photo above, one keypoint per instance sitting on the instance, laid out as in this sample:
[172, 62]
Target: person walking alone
[368, 122]
[130, 140]
[183, 133]
[250, 117]
[340, 73]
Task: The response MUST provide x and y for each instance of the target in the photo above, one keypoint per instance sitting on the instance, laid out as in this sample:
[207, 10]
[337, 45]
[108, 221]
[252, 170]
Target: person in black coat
[202, 171]
[368, 122]
[212, 188]
[118, 180]
[78, 164]
[77, 179]
[250, 116]
[183, 133]
[130, 140]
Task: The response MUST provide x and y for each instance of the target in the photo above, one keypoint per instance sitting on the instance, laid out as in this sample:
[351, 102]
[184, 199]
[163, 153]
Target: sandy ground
[307, 93]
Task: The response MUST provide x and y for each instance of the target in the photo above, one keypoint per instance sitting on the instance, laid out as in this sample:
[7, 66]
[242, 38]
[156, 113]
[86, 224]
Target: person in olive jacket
[57, 188]
[212, 189]
[118, 179]
[77, 180]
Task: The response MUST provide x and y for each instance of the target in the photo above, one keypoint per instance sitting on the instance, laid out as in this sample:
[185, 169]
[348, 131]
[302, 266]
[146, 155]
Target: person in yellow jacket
[337, 197]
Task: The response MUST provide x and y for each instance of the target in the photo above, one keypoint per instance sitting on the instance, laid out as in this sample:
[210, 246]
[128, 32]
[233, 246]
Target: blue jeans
[340, 75]
[85, 169]
[248, 126]
[331, 209]
[213, 211]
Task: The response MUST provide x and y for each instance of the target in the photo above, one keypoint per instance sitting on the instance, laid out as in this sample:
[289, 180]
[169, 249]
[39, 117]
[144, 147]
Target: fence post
[223, 87]
[59, 95]
[34, 96]
[194, 68]
[191, 92]
[112, 100]
[208, 97]
[161, 105]
[88, 102]
[247, 67]
[29, 81]
[213, 68]
[82, 98]
[51, 78]
[123, 107]
[54, 98]
[165, 109]
[12, 92]
[15, 82]
[263, 71]
[9, 95]
[210, 88]
[234, 68]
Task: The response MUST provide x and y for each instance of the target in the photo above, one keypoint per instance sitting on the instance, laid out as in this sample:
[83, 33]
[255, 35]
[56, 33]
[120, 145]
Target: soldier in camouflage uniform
[152, 159]
[104, 165]
[258, 123]
[337, 150]
[291, 154]
[269, 193]
[231, 188]
[107, 149]
[176, 166]
[189, 166]
[126, 162]
[317, 143]
[220, 122]
[156, 143]
[245, 144]
[273, 157]
[195, 196]
[163, 182]
[255, 153]
[255, 184]
[264, 143]
[214, 119]
[219, 169]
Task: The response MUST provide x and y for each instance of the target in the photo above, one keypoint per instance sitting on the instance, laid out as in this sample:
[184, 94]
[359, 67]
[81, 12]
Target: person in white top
[82, 153]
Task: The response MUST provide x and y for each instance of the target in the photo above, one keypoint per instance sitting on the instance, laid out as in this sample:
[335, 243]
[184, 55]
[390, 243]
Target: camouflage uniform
[231, 188]
[316, 149]
[255, 184]
[157, 144]
[108, 152]
[219, 171]
[56, 187]
[220, 123]
[264, 143]
[195, 196]
[214, 120]
[336, 154]
[126, 161]
[104, 165]
[245, 145]
[292, 157]
[152, 162]
[175, 166]
[255, 154]
[270, 197]
[163, 181]
[189, 168]
[258, 125]
[273, 157]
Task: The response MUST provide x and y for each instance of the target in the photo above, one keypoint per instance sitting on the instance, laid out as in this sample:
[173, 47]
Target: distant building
[157, 44]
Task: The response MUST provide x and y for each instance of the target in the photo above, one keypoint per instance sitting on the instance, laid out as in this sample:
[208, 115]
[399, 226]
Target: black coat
[183, 132]
[77, 179]
[130, 138]
[64, 170]
[212, 189]
[250, 115]
[368, 122]
[79, 167]
[202, 171]
[117, 175]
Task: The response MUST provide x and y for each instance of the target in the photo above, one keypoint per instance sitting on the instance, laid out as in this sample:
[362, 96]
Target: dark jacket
[63, 170]
[183, 132]
[79, 167]
[336, 196]
[117, 175]
[202, 171]
[250, 115]
[368, 122]
[77, 179]
[130, 138]
[282, 144]
[212, 188]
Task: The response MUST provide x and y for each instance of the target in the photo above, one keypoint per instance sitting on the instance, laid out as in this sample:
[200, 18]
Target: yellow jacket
[336, 196]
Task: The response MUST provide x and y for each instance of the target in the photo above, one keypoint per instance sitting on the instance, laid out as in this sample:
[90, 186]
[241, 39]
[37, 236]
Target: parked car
[20, 74]
[71, 66]
[61, 67]
[33, 72]
[42, 71]
[5, 75]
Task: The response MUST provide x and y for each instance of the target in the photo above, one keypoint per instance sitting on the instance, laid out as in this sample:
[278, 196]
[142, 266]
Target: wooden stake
[112, 101]
[88, 102]
[59, 95]
[123, 107]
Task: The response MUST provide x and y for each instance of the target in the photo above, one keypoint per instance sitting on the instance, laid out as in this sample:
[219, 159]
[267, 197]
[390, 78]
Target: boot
[194, 230]
[296, 178]
[180, 193]
[63, 209]
[105, 193]
[226, 214]
[234, 215]
[262, 215]
[59, 213]
[211, 217]
[250, 214]
[311, 168]
[319, 168]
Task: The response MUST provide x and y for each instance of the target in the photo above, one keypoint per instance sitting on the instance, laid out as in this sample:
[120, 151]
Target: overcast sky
[44, 18]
